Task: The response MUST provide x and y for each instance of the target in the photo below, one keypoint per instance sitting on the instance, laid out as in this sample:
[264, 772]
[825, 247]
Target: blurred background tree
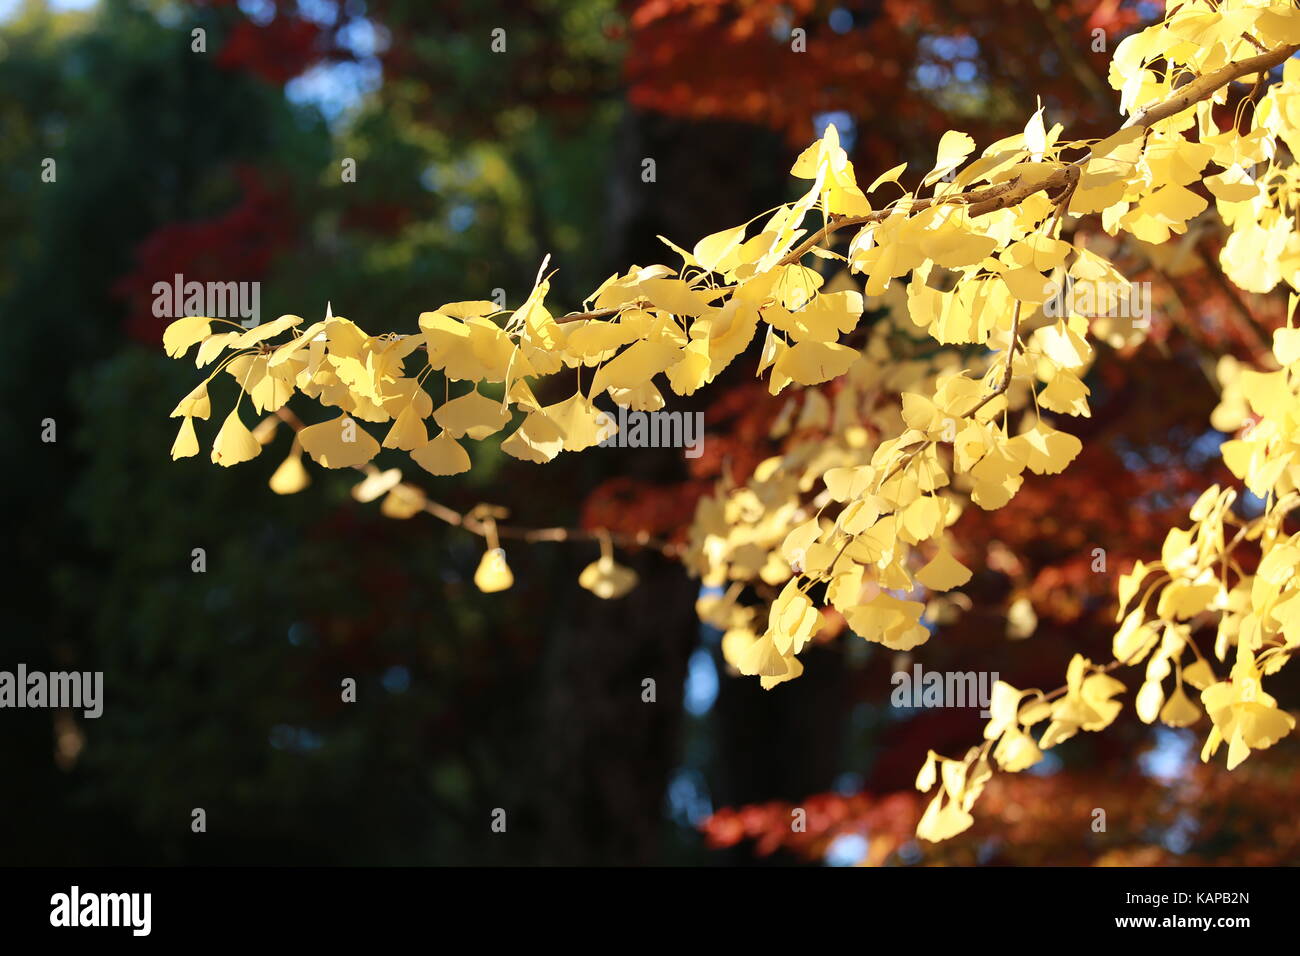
[223, 687]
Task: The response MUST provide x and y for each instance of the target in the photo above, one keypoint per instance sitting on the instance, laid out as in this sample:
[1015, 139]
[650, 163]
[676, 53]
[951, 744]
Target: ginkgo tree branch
[836, 223]
[1059, 183]
[473, 523]
[1205, 86]
[1013, 191]
[878, 536]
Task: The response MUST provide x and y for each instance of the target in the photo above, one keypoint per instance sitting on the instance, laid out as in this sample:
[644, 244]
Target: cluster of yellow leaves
[1254, 187]
[852, 515]
[1196, 582]
[865, 517]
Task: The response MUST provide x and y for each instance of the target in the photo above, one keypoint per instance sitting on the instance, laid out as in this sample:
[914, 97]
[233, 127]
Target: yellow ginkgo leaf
[1150, 697]
[195, 404]
[471, 309]
[1179, 711]
[735, 642]
[1200, 675]
[675, 296]
[847, 484]
[692, 371]
[1182, 600]
[234, 443]
[944, 572]
[794, 668]
[1036, 136]
[267, 330]
[291, 477]
[762, 659]
[794, 548]
[954, 147]
[184, 332]
[403, 501]
[1004, 705]
[1016, 751]
[888, 176]
[607, 579]
[810, 363]
[922, 519]
[888, 620]
[635, 366]
[1286, 345]
[338, 443]
[578, 420]
[212, 346]
[493, 573]
[442, 456]
[943, 820]
[1066, 394]
[289, 350]
[473, 415]
[187, 443]
[928, 775]
[1047, 451]
[268, 390]
[1063, 345]
[1022, 621]
[1134, 639]
[408, 432]
[794, 619]
[538, 440]
[375, 484]
[711, 250]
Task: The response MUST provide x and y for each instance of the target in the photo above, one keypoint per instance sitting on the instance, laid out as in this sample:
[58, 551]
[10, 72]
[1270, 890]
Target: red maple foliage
[276, 51]
[1198, 817]
[876, 61]
[237, 245]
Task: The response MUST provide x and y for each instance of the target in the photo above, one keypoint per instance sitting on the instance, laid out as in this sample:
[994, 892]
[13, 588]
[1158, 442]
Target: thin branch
[480, 527]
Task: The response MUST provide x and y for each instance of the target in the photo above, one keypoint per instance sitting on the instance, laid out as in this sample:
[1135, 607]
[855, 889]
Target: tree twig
[475, 525]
